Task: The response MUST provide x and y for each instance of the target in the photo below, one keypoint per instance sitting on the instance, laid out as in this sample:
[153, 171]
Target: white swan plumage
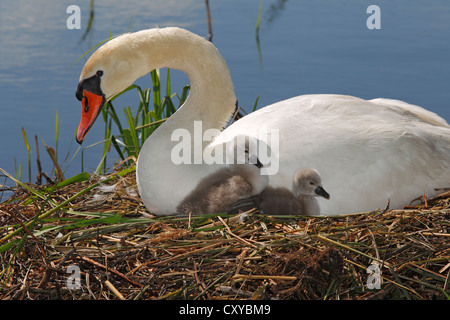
[368, 151]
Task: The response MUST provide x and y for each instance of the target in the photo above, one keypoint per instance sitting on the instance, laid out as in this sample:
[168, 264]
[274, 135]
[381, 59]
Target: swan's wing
[366, 151]
[421, 113]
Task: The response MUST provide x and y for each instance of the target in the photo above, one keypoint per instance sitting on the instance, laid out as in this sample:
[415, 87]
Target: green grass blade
[133, 86]
[256, 104]
[156, 92]
[56, 135]
[168, 106]
[68, 153]
[91, 49]
[27, 145]
[102, 163]
[80, 177]
[91, 214]
[258, 20]
[18, 171]
[184, 95]
[132, 129]
[168, 89]
[117, 147]
[23, 185]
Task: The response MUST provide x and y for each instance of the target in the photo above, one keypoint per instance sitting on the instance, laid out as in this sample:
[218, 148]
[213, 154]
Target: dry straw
[123, 252]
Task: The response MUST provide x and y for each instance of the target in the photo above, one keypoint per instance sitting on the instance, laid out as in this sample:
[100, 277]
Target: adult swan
[366, 151]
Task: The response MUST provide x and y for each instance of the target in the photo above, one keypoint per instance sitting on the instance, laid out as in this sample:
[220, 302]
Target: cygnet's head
[307, 182]
[243, 150]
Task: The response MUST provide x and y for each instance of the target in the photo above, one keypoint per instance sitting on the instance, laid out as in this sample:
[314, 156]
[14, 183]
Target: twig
[114, 290]
[213, 283]
[59, 173]
[447, 282]
[236, 236]
[241, 260]
[117, 273]
[41, 249]
[182, 255]
[200, 283]
[436, 234]
[263, 277]
[352, 249]
[39, 167]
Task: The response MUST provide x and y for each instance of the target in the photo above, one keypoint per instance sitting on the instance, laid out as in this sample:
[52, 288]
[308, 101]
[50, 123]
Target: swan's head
[111, 69]
[122, 60]
[308, 182]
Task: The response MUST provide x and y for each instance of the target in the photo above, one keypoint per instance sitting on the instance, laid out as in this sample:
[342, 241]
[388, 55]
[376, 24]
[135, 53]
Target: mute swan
[306, 186]
[367, 151]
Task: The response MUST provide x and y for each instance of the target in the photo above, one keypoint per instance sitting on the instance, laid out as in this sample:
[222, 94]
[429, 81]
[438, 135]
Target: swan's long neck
[133, 55]
[212, 97]
[162, 184]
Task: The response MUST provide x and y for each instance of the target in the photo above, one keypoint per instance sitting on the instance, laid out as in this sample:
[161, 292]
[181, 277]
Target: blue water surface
[304, 47]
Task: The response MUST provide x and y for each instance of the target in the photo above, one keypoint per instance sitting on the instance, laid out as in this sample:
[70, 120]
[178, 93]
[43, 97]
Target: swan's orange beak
[92, 105]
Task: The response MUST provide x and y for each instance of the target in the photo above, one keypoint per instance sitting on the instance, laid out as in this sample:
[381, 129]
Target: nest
[94, 240]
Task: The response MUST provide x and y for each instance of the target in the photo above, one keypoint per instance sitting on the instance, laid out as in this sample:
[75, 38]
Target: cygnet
[220, 190]
[306, 186]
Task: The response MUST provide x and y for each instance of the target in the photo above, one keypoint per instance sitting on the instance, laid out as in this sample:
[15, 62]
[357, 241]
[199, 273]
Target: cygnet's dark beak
[255, 161]
[258, 163]
[321, 192]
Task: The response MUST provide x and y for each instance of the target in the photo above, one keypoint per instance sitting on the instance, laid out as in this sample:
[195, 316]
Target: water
[305, 47]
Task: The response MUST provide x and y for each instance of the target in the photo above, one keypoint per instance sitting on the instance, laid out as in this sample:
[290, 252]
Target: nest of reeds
[94, 239]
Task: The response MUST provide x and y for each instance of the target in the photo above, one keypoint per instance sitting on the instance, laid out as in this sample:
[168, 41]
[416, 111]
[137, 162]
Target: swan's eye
[99, 73]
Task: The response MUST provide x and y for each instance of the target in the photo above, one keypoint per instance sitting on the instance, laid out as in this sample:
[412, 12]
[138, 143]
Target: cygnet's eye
[311, 183]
